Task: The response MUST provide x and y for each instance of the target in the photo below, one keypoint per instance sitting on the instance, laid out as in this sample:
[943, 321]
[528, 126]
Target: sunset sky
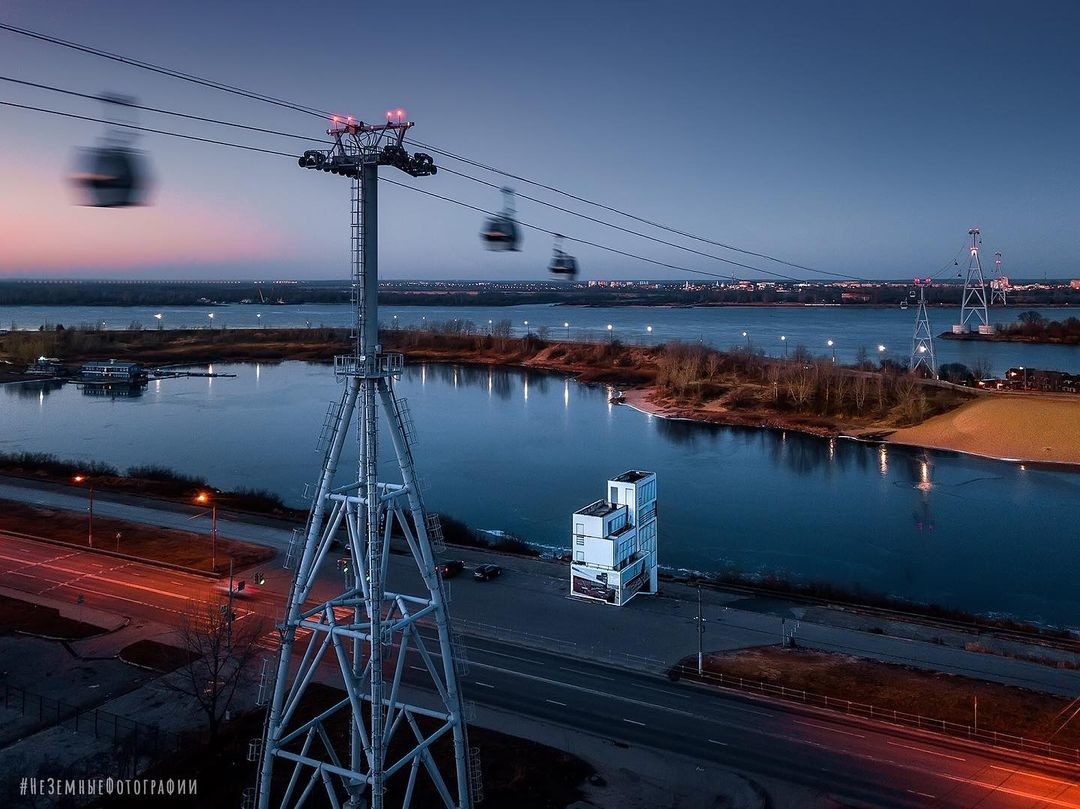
[859, 138]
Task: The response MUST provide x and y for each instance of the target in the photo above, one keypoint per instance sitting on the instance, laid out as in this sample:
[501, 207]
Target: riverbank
[1022, 428]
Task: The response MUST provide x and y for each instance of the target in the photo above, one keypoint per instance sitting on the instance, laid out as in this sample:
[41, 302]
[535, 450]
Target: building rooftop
[601, 508]
[631, 476]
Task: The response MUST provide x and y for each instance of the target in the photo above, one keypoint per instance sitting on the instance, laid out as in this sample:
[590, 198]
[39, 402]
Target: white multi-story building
[613, 544]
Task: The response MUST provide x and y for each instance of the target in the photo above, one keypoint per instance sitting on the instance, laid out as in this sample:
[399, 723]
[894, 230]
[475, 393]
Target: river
[518, 451]
[849, 328]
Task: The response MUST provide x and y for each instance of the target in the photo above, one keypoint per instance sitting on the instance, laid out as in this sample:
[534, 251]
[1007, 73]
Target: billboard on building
[592, 584]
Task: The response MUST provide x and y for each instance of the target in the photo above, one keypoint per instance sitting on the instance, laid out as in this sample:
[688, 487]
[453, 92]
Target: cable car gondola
[112, 174]
[501, 231]
[562, 263]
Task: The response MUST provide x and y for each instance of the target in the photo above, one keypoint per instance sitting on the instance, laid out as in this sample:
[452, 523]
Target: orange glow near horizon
[41, 230]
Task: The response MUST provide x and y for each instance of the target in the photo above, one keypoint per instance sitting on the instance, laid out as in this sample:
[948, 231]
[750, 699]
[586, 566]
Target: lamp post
[90, 520]
[700, 620]
[158, 318]
[395, 322]
[648, 330]
[211, 316]
[202, 498]
[258, 318]
[566, 326]
[609, 328]
[783, 342]
[832, 347]
[491, 328]
[526, 328]
[746, 336]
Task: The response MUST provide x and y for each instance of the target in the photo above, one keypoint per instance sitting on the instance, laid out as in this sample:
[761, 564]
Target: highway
[857, 762]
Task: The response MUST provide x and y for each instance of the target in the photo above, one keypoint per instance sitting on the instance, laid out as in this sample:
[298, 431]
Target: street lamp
[90, 521]
[491, 329]
[202, 498]
[609, 328]
[395, 322]
[211, 316]
[566, 326]
[746, 336]
[881, 349]
[648, 329]
[783, 342]
[158, 318]
[833, 348]
[526, 328]
[258, 317]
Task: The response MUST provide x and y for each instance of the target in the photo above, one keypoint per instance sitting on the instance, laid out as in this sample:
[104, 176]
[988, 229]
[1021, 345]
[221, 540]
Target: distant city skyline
[859, 139]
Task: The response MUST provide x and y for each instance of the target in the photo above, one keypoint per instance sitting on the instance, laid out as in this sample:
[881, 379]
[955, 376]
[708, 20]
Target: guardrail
[866, 711]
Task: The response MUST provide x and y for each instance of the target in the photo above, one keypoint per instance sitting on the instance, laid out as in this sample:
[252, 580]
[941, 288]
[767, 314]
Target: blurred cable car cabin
[501, 230]
[563, 263]
[112, 174]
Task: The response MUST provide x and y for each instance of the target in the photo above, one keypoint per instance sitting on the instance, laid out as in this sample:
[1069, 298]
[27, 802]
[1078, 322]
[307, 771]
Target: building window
[580, 556]
[614, 494]
[579, 528]
[579, 541]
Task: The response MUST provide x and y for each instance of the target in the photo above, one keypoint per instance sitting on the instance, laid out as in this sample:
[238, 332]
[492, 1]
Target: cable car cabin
[501, 233]
[563, 264]
[111, 177]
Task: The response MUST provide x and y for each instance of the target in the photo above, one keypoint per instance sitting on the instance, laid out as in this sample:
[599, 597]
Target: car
[450, 569]
[486, 572]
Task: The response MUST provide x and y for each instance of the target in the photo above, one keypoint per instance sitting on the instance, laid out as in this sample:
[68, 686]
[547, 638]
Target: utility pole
[363, 635]
[700, 620]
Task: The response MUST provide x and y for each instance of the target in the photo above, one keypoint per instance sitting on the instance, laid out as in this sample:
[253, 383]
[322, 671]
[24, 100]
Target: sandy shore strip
[1022, 427]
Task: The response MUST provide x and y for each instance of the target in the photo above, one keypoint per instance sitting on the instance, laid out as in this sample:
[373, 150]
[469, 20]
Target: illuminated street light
[746, 336]
[833, 347]
[202, 498]
[566, 326]
[90, 521]
[158, 318]
[881, 349]
[783, 342]
[609, 328]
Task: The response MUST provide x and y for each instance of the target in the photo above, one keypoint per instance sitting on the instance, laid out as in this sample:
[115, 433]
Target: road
[860, 763]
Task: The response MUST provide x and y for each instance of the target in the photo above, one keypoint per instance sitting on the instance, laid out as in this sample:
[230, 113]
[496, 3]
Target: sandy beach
[1020, 427]
[1023, 428]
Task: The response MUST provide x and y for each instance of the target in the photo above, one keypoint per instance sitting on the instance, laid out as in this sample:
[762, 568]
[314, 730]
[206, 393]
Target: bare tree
[220, 657]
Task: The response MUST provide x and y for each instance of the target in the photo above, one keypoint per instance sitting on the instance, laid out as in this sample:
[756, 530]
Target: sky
[861, 138]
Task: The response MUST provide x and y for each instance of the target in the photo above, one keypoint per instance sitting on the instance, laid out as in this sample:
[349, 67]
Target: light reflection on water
[518, 450]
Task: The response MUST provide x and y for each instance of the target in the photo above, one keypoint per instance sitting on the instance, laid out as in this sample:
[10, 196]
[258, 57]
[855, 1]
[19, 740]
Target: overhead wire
[158, 110]
[221, 86]
[637, 232]
[249, 147]
[165, 71]
[618, 211]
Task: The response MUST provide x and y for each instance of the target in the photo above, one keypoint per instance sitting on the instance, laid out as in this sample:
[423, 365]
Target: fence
[144, 741]
[866, 711]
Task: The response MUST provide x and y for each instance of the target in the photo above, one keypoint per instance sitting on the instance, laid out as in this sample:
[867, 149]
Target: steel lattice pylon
[362, 637]
[999, 284]
[973, 304]
[922, 341]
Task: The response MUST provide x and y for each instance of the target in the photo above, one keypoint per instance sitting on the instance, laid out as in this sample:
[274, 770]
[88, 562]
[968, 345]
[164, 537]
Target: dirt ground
[1003, 708]
[1020, 427]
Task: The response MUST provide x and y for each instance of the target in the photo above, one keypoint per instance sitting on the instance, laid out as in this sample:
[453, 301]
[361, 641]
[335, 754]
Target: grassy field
[35, 619]
[141, 541]
[1002, 708]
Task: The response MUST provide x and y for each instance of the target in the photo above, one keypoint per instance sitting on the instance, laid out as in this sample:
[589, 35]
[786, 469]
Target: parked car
[486, 572]
[450, 569]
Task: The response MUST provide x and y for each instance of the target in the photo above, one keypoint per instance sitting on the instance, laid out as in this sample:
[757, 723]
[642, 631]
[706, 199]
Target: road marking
[665, 693]
[1039, 799]
[633, 721]
[831, 730]
[500, 654]
[486, 685]
[924, 750]
[1027, 774]
[722, 744]
[555, 702]
[587, 674]
[923, 794]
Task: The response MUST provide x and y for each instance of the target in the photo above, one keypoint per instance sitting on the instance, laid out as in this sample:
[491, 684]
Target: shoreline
[638, 399]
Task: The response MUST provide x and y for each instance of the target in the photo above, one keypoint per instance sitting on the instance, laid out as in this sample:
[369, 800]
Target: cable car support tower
[363, 636]
[922, 341]
[973, 304]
